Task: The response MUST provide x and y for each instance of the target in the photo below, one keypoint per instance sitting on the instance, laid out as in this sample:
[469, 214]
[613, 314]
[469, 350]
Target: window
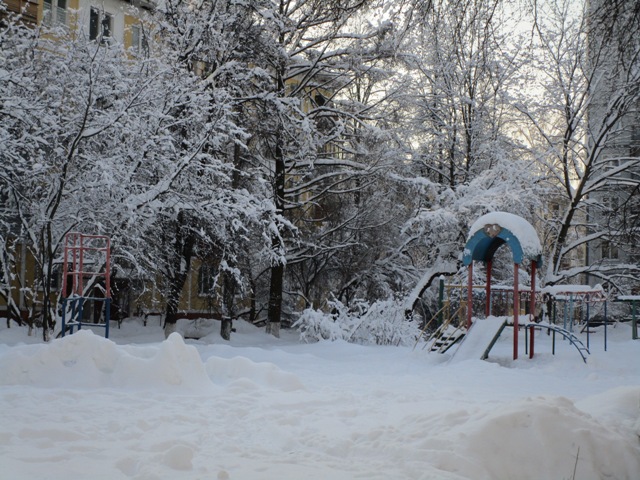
[612, 163]
[54, 12]
[608, 250]
[107, 26]
[56, 277]
[100, 25]
[138, 39]
[94, 23]
[634, 148]
[206, 279]
[610, 204]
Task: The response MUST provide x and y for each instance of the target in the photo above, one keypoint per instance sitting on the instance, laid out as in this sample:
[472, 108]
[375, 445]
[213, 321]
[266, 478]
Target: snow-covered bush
[196, 328]
[315, 325]
[381, 323]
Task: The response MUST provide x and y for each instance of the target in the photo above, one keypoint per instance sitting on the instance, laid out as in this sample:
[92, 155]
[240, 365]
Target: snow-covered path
[264, 408]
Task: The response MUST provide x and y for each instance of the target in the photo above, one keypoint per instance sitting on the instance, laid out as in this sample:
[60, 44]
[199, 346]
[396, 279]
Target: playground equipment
[553, 329]
[634, 301]
[448, 325]
[80, 251]
[577, 302]
[486, 235]
[477, 336]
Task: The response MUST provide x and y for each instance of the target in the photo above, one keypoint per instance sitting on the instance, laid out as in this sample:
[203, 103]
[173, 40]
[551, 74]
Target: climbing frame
[86, 276]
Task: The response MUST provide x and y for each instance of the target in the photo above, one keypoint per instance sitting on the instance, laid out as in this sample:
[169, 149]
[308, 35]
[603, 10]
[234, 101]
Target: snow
[523, 230]
[567, 292]
[478, 338]
[137, 406]
[629, 298]
[555, 290]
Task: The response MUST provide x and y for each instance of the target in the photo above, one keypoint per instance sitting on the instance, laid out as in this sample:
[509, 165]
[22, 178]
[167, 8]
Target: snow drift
[86, 360]
[334, 410]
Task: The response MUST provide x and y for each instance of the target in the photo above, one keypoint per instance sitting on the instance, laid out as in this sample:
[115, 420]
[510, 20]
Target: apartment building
[613, 135]
[119, 21]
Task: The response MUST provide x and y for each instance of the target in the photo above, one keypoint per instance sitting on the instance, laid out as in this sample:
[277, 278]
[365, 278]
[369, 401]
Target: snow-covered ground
[139, 407]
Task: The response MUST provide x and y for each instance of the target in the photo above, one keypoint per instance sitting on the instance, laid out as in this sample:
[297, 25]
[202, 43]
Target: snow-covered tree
[106, 143]
[311, 137]
[464, 158]
[587, 76]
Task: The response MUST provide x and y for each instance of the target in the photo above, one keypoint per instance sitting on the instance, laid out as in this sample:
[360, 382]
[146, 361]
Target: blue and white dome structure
[486, 236]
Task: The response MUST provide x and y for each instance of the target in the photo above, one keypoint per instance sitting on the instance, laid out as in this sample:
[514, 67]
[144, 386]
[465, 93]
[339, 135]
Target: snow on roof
[566, 289]
[576, 292]
[523, 230]
[509, 288]
[627, 298]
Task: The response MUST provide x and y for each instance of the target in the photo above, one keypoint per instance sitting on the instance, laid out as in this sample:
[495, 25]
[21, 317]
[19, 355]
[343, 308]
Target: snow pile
[618, 405]
[542, 437]
[523, 230]
[87, 360]
[197, 328]
[263, 374]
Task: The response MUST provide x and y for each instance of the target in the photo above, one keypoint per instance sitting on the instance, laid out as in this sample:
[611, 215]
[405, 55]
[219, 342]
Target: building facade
[120, 21]
[613, 138]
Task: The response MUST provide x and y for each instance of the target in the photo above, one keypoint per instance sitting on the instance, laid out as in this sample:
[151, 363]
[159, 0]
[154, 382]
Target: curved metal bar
[575, 341]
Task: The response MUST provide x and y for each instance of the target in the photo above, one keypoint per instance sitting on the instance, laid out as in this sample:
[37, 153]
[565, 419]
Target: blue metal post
[107, 316]
[588, 318]
[80, 312]
[571, 312]
[605, 325]
[440, 300]
[74, 307]
[70, 303]
[64, 313]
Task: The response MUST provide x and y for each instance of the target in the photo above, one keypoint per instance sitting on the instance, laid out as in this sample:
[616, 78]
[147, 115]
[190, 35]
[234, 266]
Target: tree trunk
[274, 314]
[229, 284]
[173, 301]
[225, 328]
[7, 264]
[253, 313]
[183, 247]
[169, 328]
[48, 309]
[441, 267]
[275, 300]
[228, 307]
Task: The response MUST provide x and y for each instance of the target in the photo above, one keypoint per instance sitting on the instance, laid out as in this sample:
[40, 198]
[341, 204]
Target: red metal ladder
[81, 250]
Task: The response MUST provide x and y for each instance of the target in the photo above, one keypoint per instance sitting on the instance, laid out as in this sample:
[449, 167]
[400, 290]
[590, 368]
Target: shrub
[380, 323]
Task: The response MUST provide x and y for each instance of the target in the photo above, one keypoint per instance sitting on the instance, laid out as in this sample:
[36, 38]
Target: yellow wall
[129, 20]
